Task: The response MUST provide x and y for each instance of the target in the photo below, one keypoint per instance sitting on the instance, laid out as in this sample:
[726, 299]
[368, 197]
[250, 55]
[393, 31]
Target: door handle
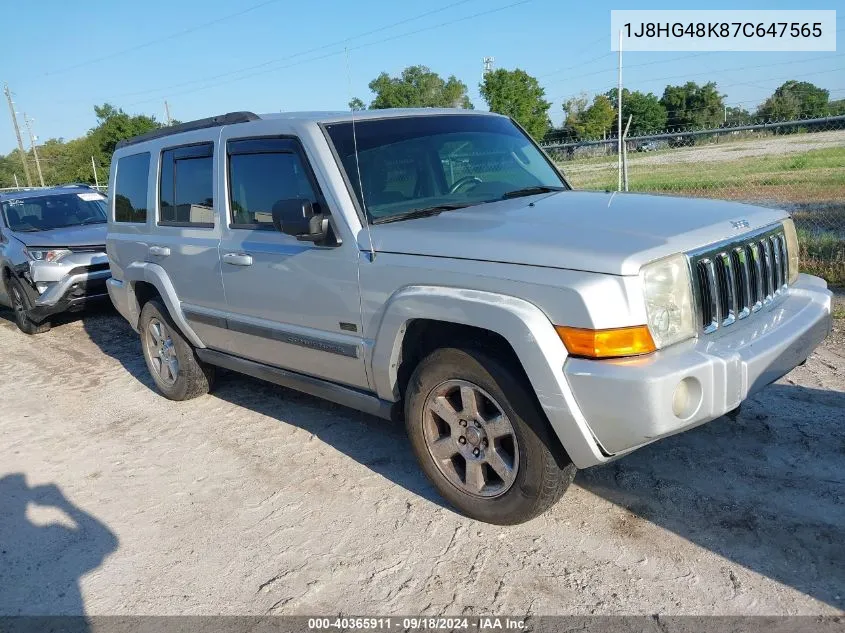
[159, 251]
[238, 259]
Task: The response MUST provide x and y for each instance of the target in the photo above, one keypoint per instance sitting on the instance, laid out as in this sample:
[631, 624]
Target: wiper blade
[421, 213]
[32, 230]
[531, 191]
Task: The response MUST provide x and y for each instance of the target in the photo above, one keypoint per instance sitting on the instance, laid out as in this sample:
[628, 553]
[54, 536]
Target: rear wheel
[171, 360]
[481, 438]
[20, 304]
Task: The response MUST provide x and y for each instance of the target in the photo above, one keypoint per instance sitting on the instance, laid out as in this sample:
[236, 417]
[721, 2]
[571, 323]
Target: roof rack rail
[200, 124]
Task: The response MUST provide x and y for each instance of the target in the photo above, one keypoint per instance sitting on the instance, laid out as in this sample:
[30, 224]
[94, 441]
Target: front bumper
[629, 402]
[55, 288]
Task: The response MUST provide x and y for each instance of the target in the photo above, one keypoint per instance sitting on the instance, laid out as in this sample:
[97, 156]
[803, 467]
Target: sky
[206, 57]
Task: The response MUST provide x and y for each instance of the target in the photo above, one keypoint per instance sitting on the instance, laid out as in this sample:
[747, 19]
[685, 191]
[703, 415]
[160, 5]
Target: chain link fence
[798, 166]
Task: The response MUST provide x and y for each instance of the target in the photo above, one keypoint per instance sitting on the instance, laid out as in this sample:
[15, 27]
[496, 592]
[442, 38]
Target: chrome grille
[734, 279]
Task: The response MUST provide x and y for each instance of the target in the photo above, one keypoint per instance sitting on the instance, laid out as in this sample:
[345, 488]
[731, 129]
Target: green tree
[356, 105]
[738, 116]
[692, 105]
[590, 121]
[647, 113]
[795, 100]
[114, 125]
[70, 161]
[836, 108]
[517, 94]
[418, 87]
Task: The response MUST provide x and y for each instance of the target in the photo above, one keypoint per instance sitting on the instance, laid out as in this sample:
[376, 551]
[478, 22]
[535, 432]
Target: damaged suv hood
[73, 236]
[591, 231]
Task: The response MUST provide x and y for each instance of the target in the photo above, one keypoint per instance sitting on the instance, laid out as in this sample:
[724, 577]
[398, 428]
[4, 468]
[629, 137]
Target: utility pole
[17, 134]
[27, 122]
[167, 113]
[619, 117]
[96, 180]
[487, 66]
[726, 114]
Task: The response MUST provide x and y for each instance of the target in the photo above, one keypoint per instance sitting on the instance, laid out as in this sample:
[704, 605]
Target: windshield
[414, 163]
[53, 211]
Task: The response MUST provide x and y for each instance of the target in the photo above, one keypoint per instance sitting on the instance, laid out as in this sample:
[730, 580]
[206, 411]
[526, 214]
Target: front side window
[415, 163]
[130, 190]
[42, 213]
[263, 172]
[186, 190]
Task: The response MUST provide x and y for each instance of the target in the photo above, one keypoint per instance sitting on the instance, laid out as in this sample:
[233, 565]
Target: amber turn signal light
[612, 343]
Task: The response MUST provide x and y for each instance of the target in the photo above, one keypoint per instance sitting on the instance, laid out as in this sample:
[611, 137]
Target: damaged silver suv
[52, 252]
[434, 266]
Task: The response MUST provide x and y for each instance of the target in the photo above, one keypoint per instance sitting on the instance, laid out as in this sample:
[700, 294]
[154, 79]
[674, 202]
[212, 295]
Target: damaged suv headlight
[668, 300]
[47, 254]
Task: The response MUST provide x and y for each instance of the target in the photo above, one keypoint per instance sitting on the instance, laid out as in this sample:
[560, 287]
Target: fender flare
[156, 276]
[525, 326]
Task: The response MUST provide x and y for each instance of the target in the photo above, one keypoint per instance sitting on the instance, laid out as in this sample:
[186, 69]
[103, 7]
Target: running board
[339, 394]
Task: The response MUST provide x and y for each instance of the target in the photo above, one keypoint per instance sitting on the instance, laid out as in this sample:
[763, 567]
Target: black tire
[543, 470]
[21, 307]
[192, 377]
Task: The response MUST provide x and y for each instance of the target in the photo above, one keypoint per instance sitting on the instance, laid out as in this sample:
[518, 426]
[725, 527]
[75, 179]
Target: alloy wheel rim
[470, 439]
[162, 352]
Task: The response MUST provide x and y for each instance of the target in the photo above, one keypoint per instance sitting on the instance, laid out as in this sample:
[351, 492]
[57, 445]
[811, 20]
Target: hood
[85, 235]
[591, 231]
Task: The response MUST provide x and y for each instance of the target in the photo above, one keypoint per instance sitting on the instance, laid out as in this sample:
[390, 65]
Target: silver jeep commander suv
[52, 252]
[434, 266]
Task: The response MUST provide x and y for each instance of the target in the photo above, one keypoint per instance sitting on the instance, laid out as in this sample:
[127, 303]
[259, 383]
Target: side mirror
[300, 218]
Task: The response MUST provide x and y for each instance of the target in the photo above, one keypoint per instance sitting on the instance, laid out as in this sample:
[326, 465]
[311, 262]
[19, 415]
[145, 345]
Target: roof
[232, 118]
[45, 191]
[363, 115]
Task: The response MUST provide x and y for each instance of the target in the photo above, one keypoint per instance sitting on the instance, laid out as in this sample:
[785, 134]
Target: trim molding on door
[282, 335]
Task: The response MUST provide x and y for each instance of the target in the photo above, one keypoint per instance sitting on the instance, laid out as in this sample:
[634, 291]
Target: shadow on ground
[380, 445]
[766, 491]
[46, 545]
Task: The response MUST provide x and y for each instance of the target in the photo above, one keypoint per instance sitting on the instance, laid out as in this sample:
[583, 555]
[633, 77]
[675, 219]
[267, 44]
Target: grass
[823, 254]
[811, 185]
[811, 176]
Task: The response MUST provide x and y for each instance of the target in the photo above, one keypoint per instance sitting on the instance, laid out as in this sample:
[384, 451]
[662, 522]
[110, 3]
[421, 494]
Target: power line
[351, 48]
[710, 71]
[158, 40]
[295, 55]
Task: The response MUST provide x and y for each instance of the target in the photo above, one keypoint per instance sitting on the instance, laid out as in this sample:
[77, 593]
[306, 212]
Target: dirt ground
[256, 500]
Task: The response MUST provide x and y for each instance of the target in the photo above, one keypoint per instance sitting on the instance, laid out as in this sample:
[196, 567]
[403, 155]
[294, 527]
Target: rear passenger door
[186, 237]
[292, 304]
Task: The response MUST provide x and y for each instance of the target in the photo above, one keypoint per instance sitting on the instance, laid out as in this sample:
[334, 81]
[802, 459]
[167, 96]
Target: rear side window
[261, 173]
[130, 190]
[186, 190]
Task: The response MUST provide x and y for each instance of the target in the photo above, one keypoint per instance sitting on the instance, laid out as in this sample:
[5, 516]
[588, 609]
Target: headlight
[668, 300]
[47, 255]
[791, 248]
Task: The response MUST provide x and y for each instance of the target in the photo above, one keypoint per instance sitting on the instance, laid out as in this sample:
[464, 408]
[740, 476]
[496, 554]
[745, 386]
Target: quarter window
[186, 191]
[130, 190]
[263, 172]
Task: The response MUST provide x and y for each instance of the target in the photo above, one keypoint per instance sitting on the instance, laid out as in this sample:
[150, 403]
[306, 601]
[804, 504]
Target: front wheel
[20, 304]
[481, 438]
[171, 360]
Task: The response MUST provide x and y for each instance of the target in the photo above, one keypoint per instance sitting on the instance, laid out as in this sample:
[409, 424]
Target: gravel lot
[258, 500]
